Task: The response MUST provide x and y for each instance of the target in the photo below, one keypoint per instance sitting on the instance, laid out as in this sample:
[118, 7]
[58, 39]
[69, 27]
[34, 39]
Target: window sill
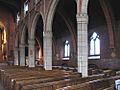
[66, 58]
[94, 57]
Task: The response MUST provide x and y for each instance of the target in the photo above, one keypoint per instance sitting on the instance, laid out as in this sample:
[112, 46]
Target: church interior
[59, 45]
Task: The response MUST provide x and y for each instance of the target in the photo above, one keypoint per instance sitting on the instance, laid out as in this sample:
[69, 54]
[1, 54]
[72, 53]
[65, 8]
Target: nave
[24, 78]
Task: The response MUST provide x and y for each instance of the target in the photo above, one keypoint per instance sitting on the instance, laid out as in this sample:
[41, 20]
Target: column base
[31, 65]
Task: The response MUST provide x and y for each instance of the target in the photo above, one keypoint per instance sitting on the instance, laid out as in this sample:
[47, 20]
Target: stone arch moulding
[50, 15]
[81, 8]
[23, 34]
[71, 29]
[34, 22]
[108, 16]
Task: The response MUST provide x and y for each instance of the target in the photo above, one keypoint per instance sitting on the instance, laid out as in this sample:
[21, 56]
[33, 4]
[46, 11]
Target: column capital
[22, 45]
[31, 41]
[82, 18]
[47, 34]
[16, 48]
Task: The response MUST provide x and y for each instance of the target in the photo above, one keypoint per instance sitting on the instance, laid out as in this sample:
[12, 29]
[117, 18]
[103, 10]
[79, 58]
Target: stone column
[47, 46]
[82, 44]
[31, 55]
[16, 56]
[22, 55]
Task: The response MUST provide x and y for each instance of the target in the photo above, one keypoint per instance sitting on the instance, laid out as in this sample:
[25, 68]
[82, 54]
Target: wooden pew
[8, 76]
[57, 84]
[108, 73]
[17, 78]
[82, 86]
[7, 72]
[60, 83]
[42, 80]
[112, 87]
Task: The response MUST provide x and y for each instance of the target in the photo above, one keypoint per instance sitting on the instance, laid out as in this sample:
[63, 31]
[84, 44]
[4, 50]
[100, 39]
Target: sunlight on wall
[4, 37]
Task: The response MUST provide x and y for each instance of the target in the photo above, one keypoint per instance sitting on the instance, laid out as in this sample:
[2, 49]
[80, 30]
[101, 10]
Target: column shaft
[31, 53]
[22, 55]
[82, 44]
[16, 56]
[47, 50]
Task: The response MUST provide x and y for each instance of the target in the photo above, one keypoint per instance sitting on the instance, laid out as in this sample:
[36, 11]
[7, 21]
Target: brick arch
[50, 17]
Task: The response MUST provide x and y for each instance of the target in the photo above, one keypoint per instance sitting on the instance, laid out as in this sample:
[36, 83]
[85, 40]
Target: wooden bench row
[99, 84]
[57, 84]
[23, 78]
[15, 78]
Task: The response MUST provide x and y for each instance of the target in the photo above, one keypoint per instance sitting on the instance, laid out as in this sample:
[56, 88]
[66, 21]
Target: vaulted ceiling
[12, 5]
[66, 10]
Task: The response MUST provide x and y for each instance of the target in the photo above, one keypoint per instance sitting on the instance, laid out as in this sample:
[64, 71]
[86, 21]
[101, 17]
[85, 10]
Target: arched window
[25, 7]
[94, 46]
[66, 49]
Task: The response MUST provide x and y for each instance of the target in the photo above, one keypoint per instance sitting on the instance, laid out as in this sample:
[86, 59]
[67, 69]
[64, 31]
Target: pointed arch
[23, 34]
[34, 22]
[109, 20]
[49, 20]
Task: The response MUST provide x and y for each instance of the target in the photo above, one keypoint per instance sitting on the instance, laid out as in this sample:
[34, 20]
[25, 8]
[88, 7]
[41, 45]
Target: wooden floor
[24, 78]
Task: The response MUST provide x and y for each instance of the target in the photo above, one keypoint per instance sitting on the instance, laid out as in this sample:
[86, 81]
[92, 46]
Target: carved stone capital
[31, 42]
[47, 34]
[82, 18]
[22, 45]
